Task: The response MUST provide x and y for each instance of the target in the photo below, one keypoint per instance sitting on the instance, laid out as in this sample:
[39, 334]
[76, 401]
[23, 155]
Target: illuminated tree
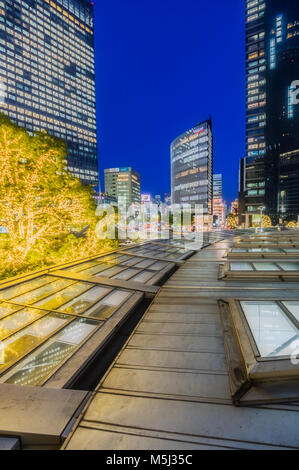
[292, 224]
[266, 221]
[232, 221]
[48, 214]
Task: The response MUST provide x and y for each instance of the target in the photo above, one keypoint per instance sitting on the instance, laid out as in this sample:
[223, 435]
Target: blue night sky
[162, 66]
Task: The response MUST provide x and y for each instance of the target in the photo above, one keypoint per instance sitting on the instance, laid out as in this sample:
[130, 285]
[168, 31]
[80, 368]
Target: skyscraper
[123, 183]
[192, 167]
[218, 204]
[47, 74]
[217, 186]
[268, 172]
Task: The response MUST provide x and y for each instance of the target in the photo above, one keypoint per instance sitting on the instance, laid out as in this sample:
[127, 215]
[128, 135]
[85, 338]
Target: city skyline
[151, 90]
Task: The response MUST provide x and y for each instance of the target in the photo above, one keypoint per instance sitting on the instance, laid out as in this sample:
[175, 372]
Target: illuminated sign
[199, 131]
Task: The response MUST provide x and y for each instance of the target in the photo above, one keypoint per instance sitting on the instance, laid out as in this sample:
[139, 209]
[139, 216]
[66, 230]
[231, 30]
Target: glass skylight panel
[143, 276]
[7, 309]
[79, 304]
[112, 271]
[293, 307]
[97, 269]
[291, 250]
[126, 274]
[105, 307]
[273, 332]
[59, 298]
[241, 267]
[25, 340]
[9, 292]
[146, 263]
[41, 292]
[239, 250]
[266, 267]
[158, 265]
[81, 266]
[130, 262]
[289, 266]
[38, 365]
[18, 320]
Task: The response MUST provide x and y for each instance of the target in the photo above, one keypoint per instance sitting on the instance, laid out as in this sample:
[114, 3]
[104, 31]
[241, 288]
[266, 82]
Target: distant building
[146, 198]
[104, 198]
[218, 204]
[167, 199]
[192, 167]
[123, 184]
[217, 186]
[157, 199]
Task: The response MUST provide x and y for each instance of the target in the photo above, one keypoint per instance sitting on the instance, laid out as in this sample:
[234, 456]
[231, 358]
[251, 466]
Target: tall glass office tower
[192, 167]
[268, 172]
[123, 184]
[47, 74]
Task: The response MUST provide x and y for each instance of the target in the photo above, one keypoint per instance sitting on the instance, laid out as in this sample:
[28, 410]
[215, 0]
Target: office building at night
[192, 167]
[123, 184]
[268, 173]
[47, 74]
[218, 204]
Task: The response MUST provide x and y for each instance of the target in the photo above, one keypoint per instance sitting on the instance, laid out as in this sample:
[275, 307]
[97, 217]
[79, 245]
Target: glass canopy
[272, 329]
[45, 319]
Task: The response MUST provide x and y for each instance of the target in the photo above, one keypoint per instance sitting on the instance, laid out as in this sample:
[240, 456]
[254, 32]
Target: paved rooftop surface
[169, 389]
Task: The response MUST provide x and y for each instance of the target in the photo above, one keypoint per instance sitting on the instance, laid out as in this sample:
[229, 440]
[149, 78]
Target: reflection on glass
[239, 250]
[291, 250]
[289, 266]
[109, 259]
[104, 309]
[95, 269]
[159, 265]
[266, 267]
[82, 302]
[241, 267]
[81, 266]
[41, 292]
[25, 340]
[9, 292]
[130, 262]
[144, 264]
[18, 320]
[273, 332]
[7, 309]
[64, 295]
[47, 357]
[142, 277]
[126, 274]
[112, 271]
[293, 307]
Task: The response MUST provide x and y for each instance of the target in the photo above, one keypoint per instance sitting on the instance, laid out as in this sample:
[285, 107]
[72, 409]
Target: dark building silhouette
[272, 126]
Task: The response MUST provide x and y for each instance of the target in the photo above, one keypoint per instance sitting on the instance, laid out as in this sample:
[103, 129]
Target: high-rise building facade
[268, 171]
[124, 184]
[218, 204]
[47, 74]
[217, 186]
[192, 167]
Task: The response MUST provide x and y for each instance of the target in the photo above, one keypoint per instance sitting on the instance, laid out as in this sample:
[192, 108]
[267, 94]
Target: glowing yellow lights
[43, 208]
